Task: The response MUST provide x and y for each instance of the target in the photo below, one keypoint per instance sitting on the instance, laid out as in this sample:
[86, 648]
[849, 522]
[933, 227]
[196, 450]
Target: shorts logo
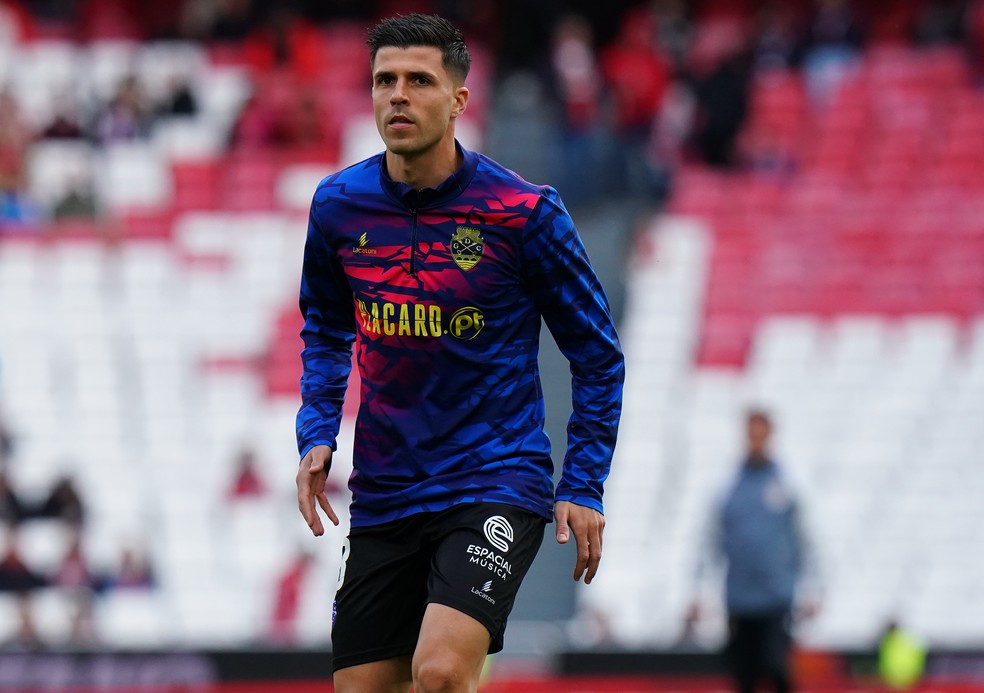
[487, 587]
[499, 532]
[467, 246]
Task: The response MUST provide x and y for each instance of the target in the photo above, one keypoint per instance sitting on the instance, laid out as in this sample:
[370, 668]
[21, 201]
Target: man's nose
[399, 94]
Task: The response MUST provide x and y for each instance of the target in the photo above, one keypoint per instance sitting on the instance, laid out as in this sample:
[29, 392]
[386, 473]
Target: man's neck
[427, 170]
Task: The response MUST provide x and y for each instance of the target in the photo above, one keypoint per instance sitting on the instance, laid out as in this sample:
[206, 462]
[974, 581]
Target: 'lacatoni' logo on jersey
[487, 587]
[499, 532]
[467, 247]
[361, 249]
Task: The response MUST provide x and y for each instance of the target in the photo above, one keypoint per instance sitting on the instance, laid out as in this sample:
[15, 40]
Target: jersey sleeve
[328, 333]
[573, 304]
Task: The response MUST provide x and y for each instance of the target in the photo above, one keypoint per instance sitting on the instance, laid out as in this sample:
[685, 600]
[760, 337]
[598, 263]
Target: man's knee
[441, 674]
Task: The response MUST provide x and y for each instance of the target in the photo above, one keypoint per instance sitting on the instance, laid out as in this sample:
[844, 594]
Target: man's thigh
[483, 552]
[380, 599]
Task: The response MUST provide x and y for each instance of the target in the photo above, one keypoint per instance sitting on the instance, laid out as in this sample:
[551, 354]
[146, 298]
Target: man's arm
[570, 297]
[328, 333]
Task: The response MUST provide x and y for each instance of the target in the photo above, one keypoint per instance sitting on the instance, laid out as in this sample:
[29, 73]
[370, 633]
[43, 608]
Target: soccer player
[438, 263]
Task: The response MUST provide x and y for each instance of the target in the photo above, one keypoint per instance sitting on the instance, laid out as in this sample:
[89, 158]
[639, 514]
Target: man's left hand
[587, 524]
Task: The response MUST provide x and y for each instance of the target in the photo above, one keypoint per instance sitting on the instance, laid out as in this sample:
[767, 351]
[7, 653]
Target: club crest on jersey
[467, 247]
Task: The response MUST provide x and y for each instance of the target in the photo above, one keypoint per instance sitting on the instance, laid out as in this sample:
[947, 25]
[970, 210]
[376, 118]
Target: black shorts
[471, 557]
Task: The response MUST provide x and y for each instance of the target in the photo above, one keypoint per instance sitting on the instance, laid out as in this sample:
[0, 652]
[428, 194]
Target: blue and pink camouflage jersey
[442, 291]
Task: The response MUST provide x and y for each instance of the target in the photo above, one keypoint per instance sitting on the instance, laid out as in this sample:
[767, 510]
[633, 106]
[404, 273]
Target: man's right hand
[311, 477]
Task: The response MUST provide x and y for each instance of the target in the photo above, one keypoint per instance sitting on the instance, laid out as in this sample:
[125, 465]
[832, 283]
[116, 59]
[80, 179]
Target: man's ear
[460, 101]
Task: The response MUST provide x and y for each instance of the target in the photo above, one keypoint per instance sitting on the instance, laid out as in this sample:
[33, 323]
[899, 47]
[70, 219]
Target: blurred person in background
[128, 115]
[580, 90]
[77, 581]
[831, 46]
[758, 532]
[721, 77]
[134, 571]
[287, 598]
[247, 482]
[439, 263]
[15, 141]
[63, 502]
[901, 657]
[637, 76]
[12, 508]
[19, 579]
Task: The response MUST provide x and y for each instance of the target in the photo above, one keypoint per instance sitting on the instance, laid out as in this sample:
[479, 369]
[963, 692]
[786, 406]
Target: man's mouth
[400, 119]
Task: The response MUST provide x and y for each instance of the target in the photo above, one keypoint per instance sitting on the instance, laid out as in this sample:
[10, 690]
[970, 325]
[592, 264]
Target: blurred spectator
[831, 45]
[940, 21]
[15, 574]
[257, 123]
[287, 597]
[777, 37]
[722, 106]
[78, 202]
[637, 76]
[674, 30]
[64, 503]
[180, 99]
[286, 41]
[580, 90]
[78, 582]
[127, 116]
[26, 636]
[15, 141]
[133, 572]
[758, 531]
[65, 123]
[304, 123]
[975, 35]
[232, 20]
[248, 483]
[82, 623]
[901, 658]
[6, 442]
[73, 573]
[12, 509]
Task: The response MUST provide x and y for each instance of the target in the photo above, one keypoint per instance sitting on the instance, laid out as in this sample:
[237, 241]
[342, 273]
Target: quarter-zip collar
[449, 189]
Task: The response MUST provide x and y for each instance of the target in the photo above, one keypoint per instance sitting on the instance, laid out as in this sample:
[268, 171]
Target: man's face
[758, 434]
[414, 98]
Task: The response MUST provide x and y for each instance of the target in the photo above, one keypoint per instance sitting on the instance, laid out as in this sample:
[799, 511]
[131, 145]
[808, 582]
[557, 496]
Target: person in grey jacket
[770, 569]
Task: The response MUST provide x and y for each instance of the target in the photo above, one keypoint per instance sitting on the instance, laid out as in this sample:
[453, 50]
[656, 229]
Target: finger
[583, 554]
[561, 512]
[594, 558]
[305, 503]
[326, 506]
[310, 514]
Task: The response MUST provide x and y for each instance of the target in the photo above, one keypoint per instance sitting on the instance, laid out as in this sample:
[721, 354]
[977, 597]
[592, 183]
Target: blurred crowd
[671, 83]
[73, 577]
[79, 580]
[636, 87]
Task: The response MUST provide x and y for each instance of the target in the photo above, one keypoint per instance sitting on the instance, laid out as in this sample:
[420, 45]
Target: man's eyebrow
[414, 74]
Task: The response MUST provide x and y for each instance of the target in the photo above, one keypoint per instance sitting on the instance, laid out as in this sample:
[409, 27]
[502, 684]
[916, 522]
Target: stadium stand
[846, 296]
[840, 282]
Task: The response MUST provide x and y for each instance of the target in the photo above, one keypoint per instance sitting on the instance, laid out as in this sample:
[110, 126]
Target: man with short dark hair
[439, 264]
